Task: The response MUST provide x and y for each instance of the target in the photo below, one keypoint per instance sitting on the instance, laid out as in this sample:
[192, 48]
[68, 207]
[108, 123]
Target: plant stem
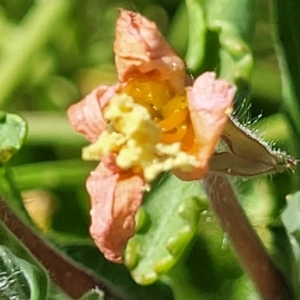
[51, 128]
[70, 277]
[11, 194]
[51, 174]
[249, 249]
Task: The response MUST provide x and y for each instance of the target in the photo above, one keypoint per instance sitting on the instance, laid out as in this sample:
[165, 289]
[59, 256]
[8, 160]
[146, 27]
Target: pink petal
[141, 49]
[210, 101]
[86, 116]
[114, 205]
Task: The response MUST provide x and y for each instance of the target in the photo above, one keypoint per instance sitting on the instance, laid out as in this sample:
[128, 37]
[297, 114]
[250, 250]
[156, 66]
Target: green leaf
[93, 295]
[197, 35]
[286, 27]
[234, 21]
[291, 216]
[55, 293]
[19, 270]
[219, 34]
[291, 221]
[11, 194]
[13, 130]
[89, 255]
[19, 278]
[166, 223]
[13, 281]
[236, 17]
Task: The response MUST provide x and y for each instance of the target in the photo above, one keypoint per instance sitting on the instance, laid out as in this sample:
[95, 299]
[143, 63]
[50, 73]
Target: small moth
[244, 154]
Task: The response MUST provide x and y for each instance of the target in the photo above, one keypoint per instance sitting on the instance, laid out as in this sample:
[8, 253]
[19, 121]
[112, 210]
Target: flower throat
[167, 109]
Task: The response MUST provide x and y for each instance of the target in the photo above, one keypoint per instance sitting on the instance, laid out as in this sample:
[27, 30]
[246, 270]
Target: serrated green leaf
[238, 16]
[20, 279]
[20, 268]
[172, 210]
[234, 22]
[13, 282]
[13, 130]
[219, 34]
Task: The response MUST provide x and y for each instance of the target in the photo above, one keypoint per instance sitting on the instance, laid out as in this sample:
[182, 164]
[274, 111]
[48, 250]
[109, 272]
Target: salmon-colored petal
[210, 102]
[141, 49]
[86, 116]
[114, 205]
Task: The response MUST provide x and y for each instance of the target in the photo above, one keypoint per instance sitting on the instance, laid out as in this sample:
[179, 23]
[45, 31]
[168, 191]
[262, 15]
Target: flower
[149, 122]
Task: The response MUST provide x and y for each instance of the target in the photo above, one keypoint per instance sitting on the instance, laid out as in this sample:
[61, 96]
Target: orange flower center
[167, 109]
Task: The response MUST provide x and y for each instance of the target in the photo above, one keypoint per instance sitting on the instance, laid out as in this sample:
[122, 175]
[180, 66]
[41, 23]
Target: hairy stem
[70, 277]
[249, 249]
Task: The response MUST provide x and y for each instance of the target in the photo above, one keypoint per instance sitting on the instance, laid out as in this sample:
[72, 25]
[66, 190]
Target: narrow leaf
[197, 35]
[287, 24]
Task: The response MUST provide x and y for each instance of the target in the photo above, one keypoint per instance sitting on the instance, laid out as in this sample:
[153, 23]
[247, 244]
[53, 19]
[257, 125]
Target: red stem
[248, 247]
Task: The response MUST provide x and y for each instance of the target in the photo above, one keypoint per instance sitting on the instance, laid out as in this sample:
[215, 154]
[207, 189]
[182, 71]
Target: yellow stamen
[176, 135]
[175, 103]
[139, 143]
[173, 120]
[167, 109]
[187, 142]
[151, 94]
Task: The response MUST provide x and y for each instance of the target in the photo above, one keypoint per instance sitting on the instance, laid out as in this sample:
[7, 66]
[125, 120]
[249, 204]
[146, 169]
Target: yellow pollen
[141, 144]
[167, 109]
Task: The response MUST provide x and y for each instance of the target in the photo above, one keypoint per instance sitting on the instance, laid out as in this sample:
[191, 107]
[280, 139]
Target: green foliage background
[54, 52]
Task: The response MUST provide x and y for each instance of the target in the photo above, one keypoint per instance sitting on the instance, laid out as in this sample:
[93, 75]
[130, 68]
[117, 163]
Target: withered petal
[115, 201]
[210, 102]
[141, 49]
[86, 116]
